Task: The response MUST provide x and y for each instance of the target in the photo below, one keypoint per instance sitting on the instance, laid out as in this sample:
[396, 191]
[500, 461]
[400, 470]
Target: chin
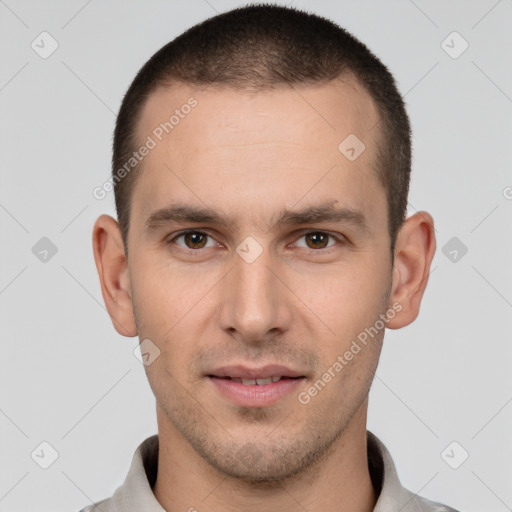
[265, 464]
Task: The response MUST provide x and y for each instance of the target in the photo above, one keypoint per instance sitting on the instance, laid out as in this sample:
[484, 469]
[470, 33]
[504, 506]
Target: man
[261, 169]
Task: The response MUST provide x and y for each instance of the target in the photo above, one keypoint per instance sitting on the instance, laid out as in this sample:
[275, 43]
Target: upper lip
[263, 372]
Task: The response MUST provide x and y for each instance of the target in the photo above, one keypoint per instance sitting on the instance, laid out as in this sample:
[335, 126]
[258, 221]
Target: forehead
[259, 151]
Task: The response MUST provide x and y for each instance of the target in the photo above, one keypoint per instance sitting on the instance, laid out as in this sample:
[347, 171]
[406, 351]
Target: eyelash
[340, 239]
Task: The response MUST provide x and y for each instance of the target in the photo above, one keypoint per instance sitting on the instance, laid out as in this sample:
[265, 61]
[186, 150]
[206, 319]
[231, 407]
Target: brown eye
[317, 240]
[195, 239]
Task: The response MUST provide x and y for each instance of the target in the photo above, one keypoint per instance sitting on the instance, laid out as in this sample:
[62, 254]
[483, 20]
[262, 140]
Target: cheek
[172, 308]
[348, 298]
[167, 297]
[350, 305]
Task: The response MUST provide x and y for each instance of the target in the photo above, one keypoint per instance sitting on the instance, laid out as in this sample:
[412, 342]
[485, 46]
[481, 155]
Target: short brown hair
[261, 47]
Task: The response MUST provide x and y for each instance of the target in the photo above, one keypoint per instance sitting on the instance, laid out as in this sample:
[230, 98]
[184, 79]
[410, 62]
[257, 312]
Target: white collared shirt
[136, 495]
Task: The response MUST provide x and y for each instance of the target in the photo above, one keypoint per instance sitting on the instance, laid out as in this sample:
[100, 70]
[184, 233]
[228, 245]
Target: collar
[136, 493]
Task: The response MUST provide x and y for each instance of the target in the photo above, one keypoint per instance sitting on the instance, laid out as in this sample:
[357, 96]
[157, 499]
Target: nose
[255, 302]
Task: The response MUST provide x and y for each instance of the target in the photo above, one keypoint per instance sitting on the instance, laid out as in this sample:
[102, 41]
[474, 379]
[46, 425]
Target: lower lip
[254, 395]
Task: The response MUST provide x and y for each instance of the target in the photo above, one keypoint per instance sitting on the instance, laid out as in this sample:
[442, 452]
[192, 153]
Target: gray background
[69, 379]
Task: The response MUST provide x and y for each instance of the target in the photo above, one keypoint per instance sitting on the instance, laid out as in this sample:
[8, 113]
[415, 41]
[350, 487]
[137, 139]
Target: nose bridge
[254, 305]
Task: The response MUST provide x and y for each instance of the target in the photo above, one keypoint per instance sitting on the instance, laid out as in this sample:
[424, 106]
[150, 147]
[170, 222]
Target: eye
[317, 240]
[196, 240]
[193, 240]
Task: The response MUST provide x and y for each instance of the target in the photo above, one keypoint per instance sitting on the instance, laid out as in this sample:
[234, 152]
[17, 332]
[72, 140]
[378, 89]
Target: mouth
[255, 382]
[255, 387]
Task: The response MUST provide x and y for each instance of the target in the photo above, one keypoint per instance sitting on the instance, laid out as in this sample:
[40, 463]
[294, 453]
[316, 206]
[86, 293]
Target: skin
[301, 303]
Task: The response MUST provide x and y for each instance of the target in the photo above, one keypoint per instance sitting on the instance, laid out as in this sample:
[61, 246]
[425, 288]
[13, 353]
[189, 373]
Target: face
[258, 253]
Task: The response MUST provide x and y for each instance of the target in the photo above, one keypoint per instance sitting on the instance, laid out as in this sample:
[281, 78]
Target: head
[258, 49]
[262, 229]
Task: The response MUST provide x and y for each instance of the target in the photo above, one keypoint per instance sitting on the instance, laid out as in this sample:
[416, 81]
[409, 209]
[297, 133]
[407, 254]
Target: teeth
[254, 382]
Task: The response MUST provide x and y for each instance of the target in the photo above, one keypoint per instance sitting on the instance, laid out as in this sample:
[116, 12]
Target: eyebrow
[309, 215]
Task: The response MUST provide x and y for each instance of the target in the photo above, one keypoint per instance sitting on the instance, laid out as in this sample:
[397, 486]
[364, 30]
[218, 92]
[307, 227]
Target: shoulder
[420, 504]
[101, 506]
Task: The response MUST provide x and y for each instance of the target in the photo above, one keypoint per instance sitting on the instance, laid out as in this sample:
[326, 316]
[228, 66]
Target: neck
[339, 482]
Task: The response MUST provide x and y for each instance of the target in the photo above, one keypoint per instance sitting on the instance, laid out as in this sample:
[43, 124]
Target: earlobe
[414, 250]
[113, 274]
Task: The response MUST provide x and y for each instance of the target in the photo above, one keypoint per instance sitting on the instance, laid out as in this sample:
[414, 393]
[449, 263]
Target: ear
[112, 269]
[414, 250]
